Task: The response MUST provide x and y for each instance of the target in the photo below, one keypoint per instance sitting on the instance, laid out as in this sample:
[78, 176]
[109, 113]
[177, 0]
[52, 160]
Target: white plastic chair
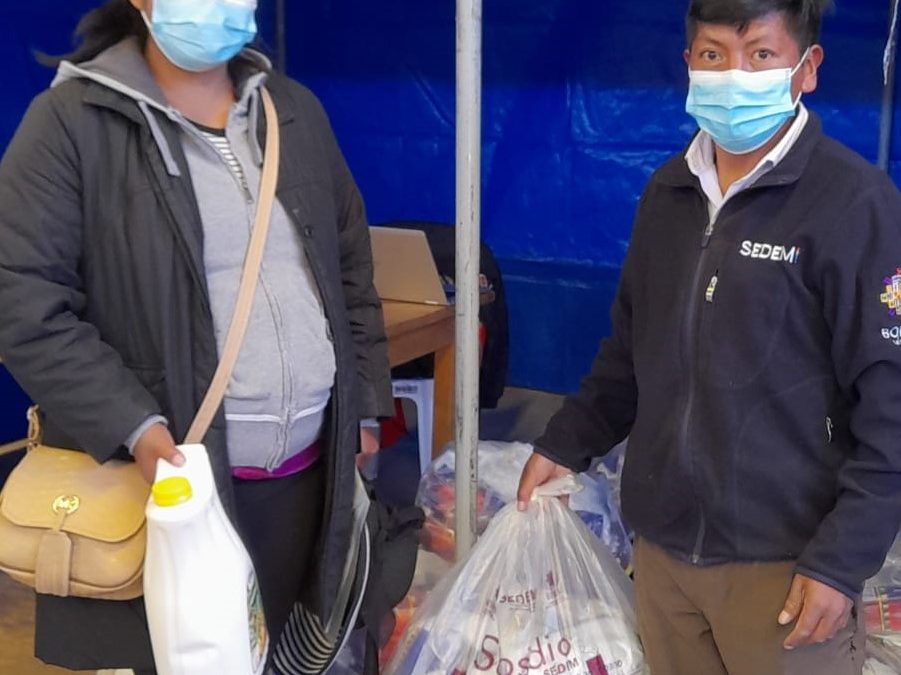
[422, 393]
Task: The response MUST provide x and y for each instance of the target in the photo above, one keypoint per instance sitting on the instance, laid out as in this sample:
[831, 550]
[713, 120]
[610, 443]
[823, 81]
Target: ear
[808, 71]
[687, 56]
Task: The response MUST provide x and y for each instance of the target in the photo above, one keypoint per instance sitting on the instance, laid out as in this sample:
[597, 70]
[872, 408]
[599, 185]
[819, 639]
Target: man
[753, 366]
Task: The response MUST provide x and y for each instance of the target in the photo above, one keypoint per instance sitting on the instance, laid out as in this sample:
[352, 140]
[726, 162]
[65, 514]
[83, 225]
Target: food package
[500, 465]
[539, 594]
[882, 596]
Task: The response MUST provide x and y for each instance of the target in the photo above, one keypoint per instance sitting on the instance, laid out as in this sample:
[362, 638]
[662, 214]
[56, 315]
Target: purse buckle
[66, 505]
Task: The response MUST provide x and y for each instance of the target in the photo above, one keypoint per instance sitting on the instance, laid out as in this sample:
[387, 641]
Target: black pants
[279, 521]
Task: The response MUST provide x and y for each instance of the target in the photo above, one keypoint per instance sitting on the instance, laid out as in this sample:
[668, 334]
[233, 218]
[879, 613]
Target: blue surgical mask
[742, 110]
[198, 35]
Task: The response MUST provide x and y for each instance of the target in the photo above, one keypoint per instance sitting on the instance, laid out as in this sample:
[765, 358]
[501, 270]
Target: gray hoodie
[281, 384]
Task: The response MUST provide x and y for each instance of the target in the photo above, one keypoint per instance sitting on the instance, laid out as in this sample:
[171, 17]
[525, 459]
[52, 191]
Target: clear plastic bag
[883, 655]
[430, 570]
[882, 597]
[500, 465]
[882, 616]
[610, 466]
[874, 667]
[539, 594]
[596, 506]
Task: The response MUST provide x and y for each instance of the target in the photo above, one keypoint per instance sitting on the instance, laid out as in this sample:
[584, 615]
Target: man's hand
[538, 471]
[156, 443]
[820, 610]
[369, 445]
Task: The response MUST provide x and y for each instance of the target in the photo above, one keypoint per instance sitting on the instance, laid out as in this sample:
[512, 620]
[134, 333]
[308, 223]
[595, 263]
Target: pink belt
[302, 461]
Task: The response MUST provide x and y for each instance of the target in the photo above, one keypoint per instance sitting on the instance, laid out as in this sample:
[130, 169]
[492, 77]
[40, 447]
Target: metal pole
[888, 90]
[469, 143]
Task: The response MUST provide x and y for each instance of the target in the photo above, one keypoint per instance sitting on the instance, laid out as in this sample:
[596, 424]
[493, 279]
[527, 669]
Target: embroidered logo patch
[892, 296]
[892, 335]
[758, 251]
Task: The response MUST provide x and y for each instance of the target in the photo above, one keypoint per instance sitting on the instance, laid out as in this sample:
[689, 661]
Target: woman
[126, 198]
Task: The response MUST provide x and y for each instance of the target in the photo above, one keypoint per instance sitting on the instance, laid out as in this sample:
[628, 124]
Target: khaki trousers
[722, 620]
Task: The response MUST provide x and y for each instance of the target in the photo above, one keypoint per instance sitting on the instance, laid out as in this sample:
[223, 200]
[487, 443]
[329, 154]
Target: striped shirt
[219, 140]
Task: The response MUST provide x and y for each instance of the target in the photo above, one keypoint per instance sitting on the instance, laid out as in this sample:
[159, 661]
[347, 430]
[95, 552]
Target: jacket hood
[123, 69]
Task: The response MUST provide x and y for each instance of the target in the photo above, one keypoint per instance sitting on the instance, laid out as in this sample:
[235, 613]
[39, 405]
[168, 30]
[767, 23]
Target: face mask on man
[742, 110]
[198, 35]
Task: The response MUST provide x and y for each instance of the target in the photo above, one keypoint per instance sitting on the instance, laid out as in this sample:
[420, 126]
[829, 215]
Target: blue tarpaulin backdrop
[583, 99]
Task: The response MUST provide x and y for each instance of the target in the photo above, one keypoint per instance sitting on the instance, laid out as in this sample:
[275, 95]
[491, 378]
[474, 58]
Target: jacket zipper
[318, 275]
[691, 338]
[691, 341]
[711, 287]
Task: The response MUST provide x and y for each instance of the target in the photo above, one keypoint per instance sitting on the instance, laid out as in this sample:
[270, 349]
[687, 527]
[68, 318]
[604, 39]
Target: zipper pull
[829, 429]
[711, 287]
[708, 233]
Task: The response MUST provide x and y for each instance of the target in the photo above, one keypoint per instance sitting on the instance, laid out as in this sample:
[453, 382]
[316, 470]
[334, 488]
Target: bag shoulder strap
[15, 446]
[249, 277]
[33, 438]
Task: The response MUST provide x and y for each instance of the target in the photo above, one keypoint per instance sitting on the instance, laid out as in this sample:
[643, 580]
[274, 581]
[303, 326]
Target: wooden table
[419, 330]
[416, 330]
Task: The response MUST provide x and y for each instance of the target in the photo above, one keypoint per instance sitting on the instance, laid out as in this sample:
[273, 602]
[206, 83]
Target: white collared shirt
[701, 162]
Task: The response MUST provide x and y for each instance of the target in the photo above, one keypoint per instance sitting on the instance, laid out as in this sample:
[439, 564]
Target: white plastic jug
[203, 601]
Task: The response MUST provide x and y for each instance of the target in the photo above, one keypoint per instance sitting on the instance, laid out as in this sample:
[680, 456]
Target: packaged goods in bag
[873, 667]
[538, 595]
[882, 597]
[882, 614]
[203, 603]
[500, 465]
[883, 655]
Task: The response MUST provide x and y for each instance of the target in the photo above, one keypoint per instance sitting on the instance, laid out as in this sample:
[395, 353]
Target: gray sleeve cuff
[133, 437]
[369, 423]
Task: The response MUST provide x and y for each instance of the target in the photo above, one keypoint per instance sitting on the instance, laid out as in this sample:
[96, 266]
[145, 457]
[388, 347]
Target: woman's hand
[154, 444]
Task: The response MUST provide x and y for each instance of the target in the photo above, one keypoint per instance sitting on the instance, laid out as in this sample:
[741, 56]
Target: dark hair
[803, 18]
[101, 28]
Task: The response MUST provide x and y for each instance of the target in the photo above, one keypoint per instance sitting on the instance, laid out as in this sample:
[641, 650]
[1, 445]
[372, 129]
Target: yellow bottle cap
[171, 491]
